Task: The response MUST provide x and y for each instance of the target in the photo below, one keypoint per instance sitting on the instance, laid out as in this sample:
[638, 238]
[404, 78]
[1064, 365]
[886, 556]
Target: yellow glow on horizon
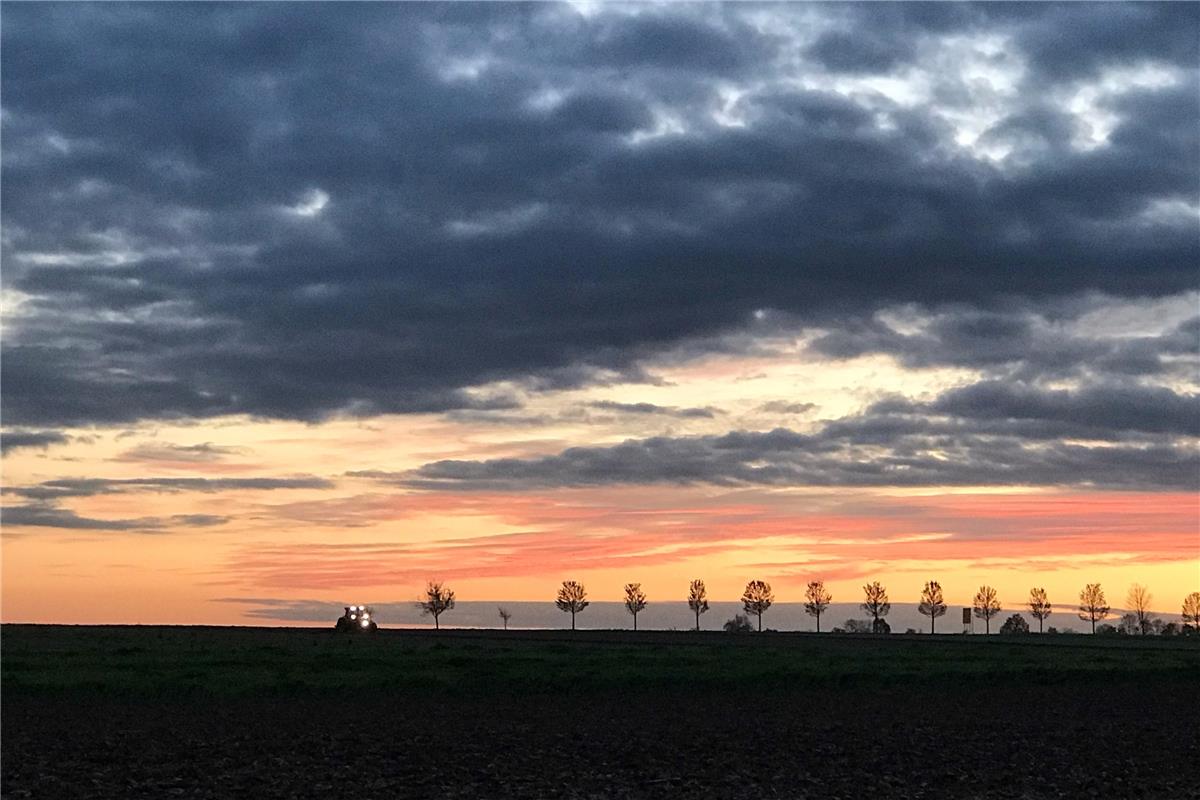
[381, 538]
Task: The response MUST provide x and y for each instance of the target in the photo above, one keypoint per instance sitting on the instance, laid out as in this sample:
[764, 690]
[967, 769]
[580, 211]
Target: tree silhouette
[757, 598]
[635, 600]
[1092, 605]
[1191, 610]
[932, 604]
[572, 597]
[505, 615]
[986, 606]
[816, 600]
[1014, 624]
[876, 603]
[1039, 606]
[697, 599]
[438, 599]
[739, 624]
[1138, 601]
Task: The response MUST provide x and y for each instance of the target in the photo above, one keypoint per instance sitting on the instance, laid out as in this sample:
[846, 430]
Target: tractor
[357, 619]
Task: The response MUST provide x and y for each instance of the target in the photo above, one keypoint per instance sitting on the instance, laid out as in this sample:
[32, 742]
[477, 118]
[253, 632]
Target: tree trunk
[572, 619]
[436, 626]
[635, 622]
[932, 619]
[1093, 623]
[818, 623]
[697, 619]
[1040, 623]
[760, 622]
[987, 626]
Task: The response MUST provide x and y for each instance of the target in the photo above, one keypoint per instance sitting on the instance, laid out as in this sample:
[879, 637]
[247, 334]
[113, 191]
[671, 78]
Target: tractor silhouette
[357, 619]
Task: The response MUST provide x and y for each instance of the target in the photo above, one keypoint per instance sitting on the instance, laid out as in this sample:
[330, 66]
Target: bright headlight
[365, 622]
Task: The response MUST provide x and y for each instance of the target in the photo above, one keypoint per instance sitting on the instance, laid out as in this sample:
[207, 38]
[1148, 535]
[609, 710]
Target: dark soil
[1066, 734]
[1115, 742]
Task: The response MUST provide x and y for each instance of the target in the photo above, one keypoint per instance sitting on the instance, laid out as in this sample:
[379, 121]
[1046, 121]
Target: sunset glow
[412, 293]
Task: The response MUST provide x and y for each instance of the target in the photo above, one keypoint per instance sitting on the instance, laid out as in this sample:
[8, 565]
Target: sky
[308, 304]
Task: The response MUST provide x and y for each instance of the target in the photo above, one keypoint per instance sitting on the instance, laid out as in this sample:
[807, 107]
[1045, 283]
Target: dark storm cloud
[40, 440]
[41, 515]
[1104, 409]
[1020, 344]
[1063, 42]
[199, 453]
[651, 408]
[293, 211]
[986, 434]
[89, 487]
[855, 51]
[784, 407]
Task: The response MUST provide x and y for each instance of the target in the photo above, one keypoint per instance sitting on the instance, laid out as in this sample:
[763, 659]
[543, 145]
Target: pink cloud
[843, 536]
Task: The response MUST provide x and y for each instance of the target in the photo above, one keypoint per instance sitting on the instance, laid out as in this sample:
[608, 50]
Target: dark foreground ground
[186, 712]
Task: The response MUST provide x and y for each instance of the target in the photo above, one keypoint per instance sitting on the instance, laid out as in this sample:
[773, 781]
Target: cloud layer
[297, 211]
[985, 434]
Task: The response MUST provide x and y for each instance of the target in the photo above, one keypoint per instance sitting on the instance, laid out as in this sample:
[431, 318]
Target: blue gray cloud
[295, 211]
[986, 434]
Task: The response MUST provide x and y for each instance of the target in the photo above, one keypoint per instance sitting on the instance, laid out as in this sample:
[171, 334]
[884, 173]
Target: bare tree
[1039, 606]
[1092, 605]
[1191, 610]
[932, 604]
[876, 603]
[697, 599]
[757, 598]
[986, 606]
[438, 599]
[635, 600]
[1138, 601]
[572, 597]
[816, 600]
[505, 615]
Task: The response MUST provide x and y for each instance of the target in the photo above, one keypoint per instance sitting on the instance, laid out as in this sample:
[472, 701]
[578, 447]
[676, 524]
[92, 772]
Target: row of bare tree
[758, 597]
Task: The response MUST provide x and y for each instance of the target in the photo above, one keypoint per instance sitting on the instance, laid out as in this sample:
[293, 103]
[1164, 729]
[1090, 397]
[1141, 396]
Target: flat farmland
[262, 712]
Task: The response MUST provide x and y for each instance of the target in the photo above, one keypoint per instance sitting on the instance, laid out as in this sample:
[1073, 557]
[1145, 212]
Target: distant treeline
[758, 598]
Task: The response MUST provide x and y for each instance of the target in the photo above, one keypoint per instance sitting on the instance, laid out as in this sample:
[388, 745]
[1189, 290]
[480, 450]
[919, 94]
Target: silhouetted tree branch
[757, 598]
[876, 604]
[1039, 606]
[572, 597]
[1191, 611]
[505, 615]
[932, 604]
[986, 606]
[698, 599]
[816, 600]
[438, 599]
[635, 600]
[1138, 601]
[1092, 605]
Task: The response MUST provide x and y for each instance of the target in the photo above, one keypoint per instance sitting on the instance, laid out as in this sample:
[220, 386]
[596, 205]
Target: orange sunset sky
[313, 303]
[351, 528]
